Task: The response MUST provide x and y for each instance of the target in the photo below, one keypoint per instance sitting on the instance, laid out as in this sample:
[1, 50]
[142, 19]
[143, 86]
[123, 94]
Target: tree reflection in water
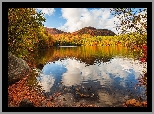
[105, 76]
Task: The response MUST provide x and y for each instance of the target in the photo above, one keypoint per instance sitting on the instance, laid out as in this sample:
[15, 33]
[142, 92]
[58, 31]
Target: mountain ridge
[86, 30]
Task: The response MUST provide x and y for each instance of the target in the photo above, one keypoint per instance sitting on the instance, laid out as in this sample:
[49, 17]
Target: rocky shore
[17, 69]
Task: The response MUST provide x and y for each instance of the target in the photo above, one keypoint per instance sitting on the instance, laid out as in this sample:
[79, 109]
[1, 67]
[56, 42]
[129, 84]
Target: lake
[106, 76]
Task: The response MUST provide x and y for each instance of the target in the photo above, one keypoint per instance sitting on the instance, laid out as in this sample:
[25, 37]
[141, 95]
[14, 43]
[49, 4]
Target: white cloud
[49, 27]
[77, 18]
[47, 11]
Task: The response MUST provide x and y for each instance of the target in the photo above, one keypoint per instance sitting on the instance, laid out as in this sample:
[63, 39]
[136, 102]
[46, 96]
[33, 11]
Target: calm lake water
[105, 76]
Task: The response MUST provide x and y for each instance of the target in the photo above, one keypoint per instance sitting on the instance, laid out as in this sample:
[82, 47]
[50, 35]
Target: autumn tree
[131, 18]
[23, 27]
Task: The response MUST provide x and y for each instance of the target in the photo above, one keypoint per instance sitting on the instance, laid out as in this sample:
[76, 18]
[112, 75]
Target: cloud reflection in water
[118, 67]
[117, 72]
[46, 81]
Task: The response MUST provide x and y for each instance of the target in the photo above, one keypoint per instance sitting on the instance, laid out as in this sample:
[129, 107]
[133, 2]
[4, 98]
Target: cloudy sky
[72, 19]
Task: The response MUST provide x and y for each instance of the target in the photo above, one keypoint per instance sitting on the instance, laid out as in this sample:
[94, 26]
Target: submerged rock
[26, 103]
[17, 69]
[134, 103]
[40, 66]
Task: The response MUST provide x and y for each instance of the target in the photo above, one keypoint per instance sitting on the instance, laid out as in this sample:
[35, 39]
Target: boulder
[26, 103]
[17, 69]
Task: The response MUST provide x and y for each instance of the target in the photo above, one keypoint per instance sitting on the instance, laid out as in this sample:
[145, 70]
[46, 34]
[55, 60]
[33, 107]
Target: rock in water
[40, 66]
[133, 103]
[17, 69]
[26, 103]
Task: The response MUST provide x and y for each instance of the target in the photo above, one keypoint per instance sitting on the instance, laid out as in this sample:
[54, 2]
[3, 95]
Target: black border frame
[6, 5]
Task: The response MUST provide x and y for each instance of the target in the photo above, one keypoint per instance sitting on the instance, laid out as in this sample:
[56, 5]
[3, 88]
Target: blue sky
[55, 20]
[73, 19]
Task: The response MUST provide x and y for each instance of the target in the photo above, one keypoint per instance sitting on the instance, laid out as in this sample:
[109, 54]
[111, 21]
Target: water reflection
[50, 72]
[103, 83]
[46, 81]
